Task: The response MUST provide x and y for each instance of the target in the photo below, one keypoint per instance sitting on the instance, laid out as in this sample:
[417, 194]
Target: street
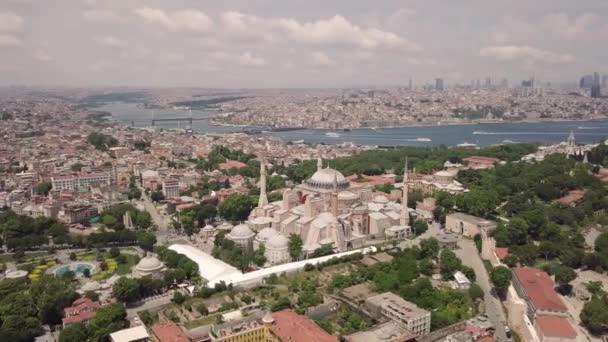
[470, 257]
[163, 229]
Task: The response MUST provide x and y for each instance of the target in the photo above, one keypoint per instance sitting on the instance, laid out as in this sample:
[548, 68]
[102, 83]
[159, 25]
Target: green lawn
[201, 321]
[124, 269]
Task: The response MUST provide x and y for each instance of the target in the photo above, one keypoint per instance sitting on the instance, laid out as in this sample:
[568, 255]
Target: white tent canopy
[215, 271]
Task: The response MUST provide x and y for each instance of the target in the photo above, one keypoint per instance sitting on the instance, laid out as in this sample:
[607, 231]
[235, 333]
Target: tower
[263, 200]
[319, 160]
[334, 195]
[405, 219]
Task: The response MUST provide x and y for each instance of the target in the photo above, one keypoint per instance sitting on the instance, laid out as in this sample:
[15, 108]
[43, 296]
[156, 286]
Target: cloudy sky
[298, 43]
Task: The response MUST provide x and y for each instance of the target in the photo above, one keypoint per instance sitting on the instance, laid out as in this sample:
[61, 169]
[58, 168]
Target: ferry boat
[424, 139]
[332, 134]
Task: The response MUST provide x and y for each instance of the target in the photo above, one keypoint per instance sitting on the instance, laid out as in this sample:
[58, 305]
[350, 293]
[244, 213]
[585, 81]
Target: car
[508, 331]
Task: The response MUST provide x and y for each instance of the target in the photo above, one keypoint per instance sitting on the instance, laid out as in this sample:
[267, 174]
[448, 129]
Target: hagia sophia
[325, 211]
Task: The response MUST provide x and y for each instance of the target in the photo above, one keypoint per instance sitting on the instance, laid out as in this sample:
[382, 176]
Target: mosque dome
[381, 199]
[324, 179]
[277, 242]
[149, 264]
[266, 234]
[241, 231]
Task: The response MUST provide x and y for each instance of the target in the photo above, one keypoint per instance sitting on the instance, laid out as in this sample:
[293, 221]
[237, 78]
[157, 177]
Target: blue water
[480, 134]
[77, 268]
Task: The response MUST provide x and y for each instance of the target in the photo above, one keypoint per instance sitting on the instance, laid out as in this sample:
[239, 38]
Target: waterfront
[450, 135]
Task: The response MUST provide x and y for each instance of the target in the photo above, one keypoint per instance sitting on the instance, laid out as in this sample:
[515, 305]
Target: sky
[298, 43]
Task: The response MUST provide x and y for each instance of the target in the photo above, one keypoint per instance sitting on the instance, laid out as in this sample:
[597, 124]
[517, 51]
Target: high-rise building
[410, 85]
[488, 82]
[439, 84]
[586, 82]
[595, 87]
[604, 81]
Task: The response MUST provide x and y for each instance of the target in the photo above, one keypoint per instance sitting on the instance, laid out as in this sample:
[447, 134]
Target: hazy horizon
[263, 44]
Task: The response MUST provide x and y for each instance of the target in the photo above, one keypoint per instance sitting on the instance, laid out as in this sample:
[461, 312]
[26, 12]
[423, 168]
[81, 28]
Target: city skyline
[258, 44]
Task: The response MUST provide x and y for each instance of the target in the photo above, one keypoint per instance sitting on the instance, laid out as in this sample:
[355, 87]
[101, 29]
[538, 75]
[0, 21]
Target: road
[470, 257]
[163, 228]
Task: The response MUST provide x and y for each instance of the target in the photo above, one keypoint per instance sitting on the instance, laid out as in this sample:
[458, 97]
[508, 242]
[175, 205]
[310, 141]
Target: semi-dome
[348, 196]
[149, 263]
[277, 242]
[209, 228]
[323, 220]
[266, 234]
[324, 179]
[241, 231]
[381, 199]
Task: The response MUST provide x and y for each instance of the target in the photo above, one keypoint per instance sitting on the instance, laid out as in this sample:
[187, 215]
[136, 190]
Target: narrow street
[470, 257]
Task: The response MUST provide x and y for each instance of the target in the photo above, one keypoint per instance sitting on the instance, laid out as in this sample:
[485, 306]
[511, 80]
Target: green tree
[126, 290]
[157, 196]
[43, 188]
[237, 207]
[108, 319]
[146, 240]
[295, 246]
[563, 276]
[594, 315]
[420, 226]
[475, 292]
[74, 333]
[429, 248]
[449, 263]
[501, 277]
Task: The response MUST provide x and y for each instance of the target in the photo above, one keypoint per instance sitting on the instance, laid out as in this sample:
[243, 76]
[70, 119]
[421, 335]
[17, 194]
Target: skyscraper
[410, 85]
[595, 86]
[586, 82]
[439, 84]
[488, 82]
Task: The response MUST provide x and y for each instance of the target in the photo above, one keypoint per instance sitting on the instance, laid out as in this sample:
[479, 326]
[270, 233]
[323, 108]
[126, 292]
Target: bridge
[188, 119]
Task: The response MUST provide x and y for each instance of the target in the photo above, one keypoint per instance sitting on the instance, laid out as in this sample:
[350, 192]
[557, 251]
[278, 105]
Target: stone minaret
[405, 217]
[263, 200]
[334, 195]
[319, 161]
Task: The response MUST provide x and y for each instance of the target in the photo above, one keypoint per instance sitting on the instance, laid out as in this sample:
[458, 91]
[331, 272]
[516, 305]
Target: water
[76, 268]
[480, 134]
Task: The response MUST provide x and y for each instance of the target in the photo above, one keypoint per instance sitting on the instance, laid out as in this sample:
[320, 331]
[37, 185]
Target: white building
[277, 249]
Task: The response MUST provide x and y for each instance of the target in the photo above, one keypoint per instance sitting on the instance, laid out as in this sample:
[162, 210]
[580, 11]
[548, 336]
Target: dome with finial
[325, 178]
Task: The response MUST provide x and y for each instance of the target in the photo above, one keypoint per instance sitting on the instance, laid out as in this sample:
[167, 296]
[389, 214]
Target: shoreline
[421, 125]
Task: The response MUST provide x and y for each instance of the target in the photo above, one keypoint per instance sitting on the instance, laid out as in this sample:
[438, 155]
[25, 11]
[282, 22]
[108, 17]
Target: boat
[332, 134]
[424, 139]
[507, 141]
[297, 142]
[466, 144]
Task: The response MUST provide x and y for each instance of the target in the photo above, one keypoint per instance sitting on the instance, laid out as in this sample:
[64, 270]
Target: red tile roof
[231, 163]
[555, 326]
[489, 338]
[572, 197]
[81, 317]
[169, 332]
[501, 252]
[289, 326]
[540, 288]
[481, 160]
[81, 304]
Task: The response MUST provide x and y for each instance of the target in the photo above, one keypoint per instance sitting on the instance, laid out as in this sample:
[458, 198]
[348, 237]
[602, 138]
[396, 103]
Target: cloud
[339, 31]
[42, 56]
[10, 22]
[246, 59]
[319, 58]
[525, 54]
[185, 21]
[6, 40]
[110, 41]
[101, 15]
[563, 26]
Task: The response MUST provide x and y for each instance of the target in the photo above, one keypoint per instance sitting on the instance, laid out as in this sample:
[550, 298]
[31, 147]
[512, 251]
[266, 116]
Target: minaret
[334, 195]
[405, 219]
[263, 200]
[319, 161]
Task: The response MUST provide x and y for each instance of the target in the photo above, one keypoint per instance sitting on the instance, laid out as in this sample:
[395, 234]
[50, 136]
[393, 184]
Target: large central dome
[324, 179]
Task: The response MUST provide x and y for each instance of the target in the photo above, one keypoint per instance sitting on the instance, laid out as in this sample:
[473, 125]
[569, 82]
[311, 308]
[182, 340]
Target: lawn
[201, 321]
[124, 269]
